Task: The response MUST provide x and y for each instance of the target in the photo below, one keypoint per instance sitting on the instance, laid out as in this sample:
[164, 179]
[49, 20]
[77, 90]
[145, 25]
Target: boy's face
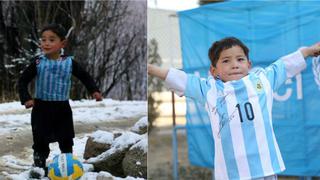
[51, 43]
[231, 65]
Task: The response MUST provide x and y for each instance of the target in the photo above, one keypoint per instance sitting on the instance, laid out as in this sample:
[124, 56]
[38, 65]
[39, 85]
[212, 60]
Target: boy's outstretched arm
[175, 80]
[157, 71]
[313, 50]
[87, 80]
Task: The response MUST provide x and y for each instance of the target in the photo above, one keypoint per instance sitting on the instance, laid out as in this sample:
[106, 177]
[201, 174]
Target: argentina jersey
[53, 80]
[240, 113]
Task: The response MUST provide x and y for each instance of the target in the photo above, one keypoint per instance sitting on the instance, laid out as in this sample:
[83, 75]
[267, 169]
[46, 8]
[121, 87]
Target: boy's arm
[157, 71]
[290, 65]
[181, 83]
[25, 78]
[313, 50]
[175, 80]
[295, 62]
[86, 79]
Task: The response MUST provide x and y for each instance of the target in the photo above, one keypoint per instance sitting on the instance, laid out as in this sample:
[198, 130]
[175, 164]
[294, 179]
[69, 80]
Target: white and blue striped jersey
[241, 116]
[53, 80]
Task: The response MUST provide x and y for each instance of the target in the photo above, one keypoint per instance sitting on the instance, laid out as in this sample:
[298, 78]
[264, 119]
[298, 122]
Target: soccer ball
[65, 167]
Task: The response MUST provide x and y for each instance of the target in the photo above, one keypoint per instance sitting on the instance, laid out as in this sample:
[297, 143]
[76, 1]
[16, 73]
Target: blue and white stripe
[247, 149]
[53, 80]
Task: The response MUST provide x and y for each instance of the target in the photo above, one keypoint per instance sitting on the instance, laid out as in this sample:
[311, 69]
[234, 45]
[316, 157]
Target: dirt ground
[160, 158]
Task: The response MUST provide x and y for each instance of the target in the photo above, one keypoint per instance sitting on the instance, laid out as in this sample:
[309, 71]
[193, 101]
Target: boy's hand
[97, 96]
[29, 104]
[313, 50]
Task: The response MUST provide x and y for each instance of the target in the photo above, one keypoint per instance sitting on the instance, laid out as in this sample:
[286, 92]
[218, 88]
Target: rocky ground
[19, 144]
[89, 116]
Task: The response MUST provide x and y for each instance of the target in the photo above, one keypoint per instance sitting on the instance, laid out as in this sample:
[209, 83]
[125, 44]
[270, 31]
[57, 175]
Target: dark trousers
[51, 121]
[41, 151]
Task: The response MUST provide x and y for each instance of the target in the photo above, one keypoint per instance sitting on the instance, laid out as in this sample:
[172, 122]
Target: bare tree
[103, 40]
[114, 39]
[20, 23]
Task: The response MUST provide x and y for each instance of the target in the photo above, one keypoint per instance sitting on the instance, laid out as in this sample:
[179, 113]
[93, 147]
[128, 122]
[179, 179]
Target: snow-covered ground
[15, 118]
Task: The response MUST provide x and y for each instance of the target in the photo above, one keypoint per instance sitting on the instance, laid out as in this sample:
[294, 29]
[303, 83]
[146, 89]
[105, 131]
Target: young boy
[239, 105]
[51, 117]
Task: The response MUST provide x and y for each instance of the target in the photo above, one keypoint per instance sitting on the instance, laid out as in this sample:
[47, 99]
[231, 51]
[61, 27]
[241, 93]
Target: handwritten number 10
[248, 110]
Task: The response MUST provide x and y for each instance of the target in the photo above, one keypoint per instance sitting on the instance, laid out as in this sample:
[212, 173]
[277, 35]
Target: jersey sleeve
[284, 68]
[26, 77]
[84, 77]
[188, 85]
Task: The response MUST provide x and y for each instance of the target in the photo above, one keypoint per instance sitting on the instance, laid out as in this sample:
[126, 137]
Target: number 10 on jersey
[248, 111]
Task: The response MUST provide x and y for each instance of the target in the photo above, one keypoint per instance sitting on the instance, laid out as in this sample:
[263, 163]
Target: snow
[9, 66]
[142, 144]
[10, 106]
[13, 162]
[141, 123]
[105, 175]
[22, 176]
[14, 117]
[120, 143]
[102, 137]
[78, 148]
[33, 41]
[126, 139]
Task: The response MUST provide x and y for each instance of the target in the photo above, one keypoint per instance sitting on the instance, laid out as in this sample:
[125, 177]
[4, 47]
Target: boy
[239, 106]
[51, 117]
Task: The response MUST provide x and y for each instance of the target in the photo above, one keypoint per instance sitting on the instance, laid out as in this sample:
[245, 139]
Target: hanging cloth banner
[270, 29]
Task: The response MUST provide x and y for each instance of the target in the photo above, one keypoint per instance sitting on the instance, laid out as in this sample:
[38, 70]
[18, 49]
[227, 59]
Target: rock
[94, 148]
[141, 126]
[135, 162]
[112, 163]
[117, 134]
[111, 160]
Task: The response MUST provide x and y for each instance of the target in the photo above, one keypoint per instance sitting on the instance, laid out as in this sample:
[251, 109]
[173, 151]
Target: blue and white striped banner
[270, 29]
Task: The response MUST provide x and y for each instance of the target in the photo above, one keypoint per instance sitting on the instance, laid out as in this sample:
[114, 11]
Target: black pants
[41, 151]
[51, 121]
[43, 147]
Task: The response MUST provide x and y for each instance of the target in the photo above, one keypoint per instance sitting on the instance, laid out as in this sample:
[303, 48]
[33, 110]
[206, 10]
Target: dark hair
[225, 43]
[57, 29]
